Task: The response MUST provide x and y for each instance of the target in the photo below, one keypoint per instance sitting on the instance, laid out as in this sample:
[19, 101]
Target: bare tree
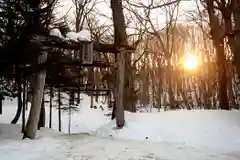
[218, 33]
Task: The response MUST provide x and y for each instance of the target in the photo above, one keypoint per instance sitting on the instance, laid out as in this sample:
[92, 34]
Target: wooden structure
[70, 73]
[71, 70]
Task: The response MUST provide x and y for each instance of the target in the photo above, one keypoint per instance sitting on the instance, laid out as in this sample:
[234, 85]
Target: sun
[190, 62]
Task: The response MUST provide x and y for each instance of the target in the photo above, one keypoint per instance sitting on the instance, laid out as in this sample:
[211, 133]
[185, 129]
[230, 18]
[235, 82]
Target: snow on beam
[56, 42]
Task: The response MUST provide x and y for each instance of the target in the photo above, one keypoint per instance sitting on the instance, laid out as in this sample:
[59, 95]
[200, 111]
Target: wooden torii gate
[84, 59]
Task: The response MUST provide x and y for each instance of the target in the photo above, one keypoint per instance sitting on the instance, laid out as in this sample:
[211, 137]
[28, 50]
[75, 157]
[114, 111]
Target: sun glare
[190, 62]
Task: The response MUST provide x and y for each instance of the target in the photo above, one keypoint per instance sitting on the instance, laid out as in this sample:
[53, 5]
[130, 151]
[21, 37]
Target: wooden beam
[56, 42]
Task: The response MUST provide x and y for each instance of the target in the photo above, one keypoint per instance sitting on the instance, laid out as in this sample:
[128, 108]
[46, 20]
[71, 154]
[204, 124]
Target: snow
[12, 132]
[80, 146]
[56, 32]
[172, 135]
[213, 129]
[83, 35]
[9, 131]
[84, 120]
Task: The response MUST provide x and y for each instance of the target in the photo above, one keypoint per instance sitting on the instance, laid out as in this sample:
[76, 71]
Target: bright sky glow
[190, 62]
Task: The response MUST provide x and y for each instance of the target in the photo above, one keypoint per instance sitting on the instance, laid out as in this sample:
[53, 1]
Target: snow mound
[215, 129]
[56, 32]
[83, 35]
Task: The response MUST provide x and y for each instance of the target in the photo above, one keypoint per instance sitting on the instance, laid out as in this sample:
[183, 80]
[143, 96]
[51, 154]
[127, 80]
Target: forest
[164, 55]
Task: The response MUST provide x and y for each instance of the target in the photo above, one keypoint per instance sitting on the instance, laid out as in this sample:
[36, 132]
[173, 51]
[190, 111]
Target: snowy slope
[172, 135]
[206, 128]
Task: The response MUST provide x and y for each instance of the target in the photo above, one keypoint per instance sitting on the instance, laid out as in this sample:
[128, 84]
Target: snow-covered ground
[84, 147]
[84, 120]
[214, 129]
[173, 135]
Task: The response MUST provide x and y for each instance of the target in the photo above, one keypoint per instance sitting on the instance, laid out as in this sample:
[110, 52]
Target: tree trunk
[170, 87]
[41, 122]
[218, 36]
[144, 99]
[231, 95]
[209, 86]
[205, 96]
[19, 98]
[113, 111]
[24, 102]
[38, 82]
[129, 99]
[222, 75]
[234, 41]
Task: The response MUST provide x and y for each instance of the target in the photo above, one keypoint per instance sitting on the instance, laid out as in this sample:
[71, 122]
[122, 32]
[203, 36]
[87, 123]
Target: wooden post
[50, 112]
[109, 99]
[78, 96]
[80, 83]
[119, 90]
[69, 115]
[59, 110]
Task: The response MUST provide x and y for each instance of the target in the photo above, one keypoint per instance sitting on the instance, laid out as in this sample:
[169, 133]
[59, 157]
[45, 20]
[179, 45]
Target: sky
[67, 6]
[159, 16]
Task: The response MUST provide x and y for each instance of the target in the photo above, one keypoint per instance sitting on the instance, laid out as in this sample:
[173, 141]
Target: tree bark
[218, 36]
[19, 98]
[24, 102]
[170, 87]
[113, 111]
[41, 122]
[234, 40]
[38, 87]
[144, 99]
[222, 76]
[18, 113]
[231, 95]
[129, 99]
